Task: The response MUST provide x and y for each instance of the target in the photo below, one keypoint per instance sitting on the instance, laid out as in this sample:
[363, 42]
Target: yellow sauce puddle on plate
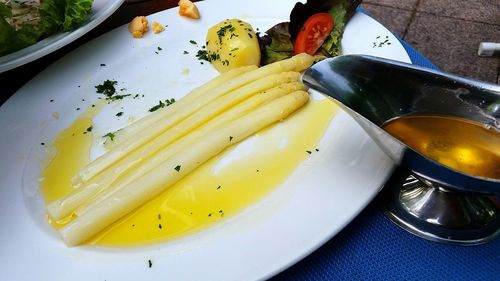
[216, 190]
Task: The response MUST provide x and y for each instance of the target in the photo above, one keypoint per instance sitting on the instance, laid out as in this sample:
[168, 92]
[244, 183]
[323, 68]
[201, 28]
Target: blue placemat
[373, 248]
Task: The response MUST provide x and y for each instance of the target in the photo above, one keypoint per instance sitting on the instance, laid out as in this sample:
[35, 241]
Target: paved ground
[448, 32]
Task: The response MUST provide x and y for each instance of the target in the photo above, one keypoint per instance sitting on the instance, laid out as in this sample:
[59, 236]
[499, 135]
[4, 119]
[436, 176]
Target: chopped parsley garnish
[316, 150]
[159, 225]
[119, 113]
[89, 129]
[162, 104]
[382, 43]
[107, 88]
[308, 151]
[177, 168]
[150, 263]
[102, 64]
[230, 138]
[159, 48]
[117, 97]
[218, 187]
[42, 143]
[222, 31]
[193, 42]
[110, 135]
[185, 52]
[207, 56]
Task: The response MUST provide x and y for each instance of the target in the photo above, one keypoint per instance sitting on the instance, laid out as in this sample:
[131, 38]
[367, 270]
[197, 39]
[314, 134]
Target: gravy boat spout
[375, 91]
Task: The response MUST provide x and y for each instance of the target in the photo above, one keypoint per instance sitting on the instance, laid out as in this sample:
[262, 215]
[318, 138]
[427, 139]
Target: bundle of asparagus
[155, 152]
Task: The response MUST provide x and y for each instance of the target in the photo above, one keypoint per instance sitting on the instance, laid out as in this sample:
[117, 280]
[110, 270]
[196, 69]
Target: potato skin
[232, 43]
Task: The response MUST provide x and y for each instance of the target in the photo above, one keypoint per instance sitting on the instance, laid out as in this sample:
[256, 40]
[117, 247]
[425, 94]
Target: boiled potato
[232, 43]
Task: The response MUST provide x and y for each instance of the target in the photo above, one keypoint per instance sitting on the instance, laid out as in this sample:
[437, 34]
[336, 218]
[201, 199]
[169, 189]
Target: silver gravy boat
[422, 196]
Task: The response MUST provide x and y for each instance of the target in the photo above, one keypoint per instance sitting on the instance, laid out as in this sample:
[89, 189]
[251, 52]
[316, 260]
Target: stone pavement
[448, 32]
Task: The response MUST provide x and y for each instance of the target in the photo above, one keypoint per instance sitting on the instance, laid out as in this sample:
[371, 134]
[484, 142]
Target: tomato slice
[313, 33]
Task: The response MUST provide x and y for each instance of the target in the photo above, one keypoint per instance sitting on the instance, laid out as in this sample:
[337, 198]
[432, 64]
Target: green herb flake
[89, 129]
[207, 56]
[222, 31]
[110, 135]
[119, 113]
[107, 88]
[159, 225]
[117, 97]
[162, 104]
[230, 138]
[102, 64]
[150, 263]
[177, 168]
[193, 42]
[308, 151]
[185, 52]
[159, 48]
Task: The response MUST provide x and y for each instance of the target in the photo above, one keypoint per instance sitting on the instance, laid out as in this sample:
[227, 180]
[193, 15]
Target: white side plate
[101, 10]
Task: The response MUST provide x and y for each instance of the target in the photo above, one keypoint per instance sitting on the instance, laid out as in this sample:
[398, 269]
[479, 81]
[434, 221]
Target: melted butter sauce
[72, 152]
[222, 187]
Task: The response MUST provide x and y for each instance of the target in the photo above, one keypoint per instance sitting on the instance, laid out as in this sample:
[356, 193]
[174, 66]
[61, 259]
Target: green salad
[24, 22]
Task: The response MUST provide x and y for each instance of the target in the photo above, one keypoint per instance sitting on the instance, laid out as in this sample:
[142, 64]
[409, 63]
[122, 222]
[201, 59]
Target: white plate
[325, 193]
[101, 10]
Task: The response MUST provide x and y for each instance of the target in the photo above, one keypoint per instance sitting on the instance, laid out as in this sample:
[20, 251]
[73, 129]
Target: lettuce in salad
[24, 22]
[277, 42]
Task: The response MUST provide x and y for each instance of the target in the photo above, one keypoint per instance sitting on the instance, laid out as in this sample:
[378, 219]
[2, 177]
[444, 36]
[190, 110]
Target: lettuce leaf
[51, 16]
[76, 13]
[331, 47]
[12, 40]
[55, 16]
[276, 44]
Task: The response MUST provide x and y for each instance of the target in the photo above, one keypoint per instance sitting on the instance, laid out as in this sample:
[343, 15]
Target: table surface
[371, 247]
